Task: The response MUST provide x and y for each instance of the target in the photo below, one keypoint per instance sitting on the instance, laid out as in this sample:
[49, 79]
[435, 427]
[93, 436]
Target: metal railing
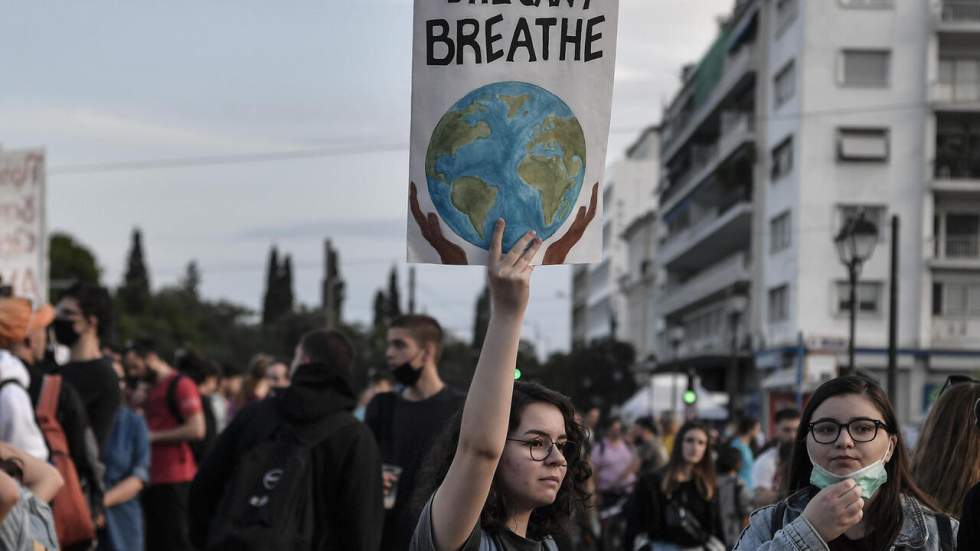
[962, 247]
[957, 168]
[953, 11]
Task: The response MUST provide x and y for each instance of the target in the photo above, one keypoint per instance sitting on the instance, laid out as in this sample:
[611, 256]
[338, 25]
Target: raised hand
[558, 250]
[449, 252]
[509, 274]
[835, 509]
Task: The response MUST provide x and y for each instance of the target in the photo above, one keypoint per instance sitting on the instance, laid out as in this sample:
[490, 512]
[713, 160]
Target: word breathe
[576, 39]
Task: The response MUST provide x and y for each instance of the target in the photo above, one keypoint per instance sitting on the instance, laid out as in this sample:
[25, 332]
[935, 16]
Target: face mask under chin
[869, 478]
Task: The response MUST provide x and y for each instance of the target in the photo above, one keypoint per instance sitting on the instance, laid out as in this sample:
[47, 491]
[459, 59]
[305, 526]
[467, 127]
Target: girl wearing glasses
[851, 481]
[676, 507]
[511, 472]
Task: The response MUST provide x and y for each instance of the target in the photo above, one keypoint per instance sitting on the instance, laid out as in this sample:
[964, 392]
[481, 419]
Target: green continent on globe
[553, 176]
[451, 134]
[474, 198]
[514, 104]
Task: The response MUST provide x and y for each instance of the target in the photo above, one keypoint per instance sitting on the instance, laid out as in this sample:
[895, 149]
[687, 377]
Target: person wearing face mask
[676, 508]
[406, 423]
[850, 482]
[83, 317]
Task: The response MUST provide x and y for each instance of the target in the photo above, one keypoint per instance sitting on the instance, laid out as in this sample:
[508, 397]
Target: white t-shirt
[764, 470]
[17, 425]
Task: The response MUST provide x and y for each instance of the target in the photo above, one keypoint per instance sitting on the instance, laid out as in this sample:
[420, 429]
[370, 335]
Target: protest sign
[510, 119]
[23, 240]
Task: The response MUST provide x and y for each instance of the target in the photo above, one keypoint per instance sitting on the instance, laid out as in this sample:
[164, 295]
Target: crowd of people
[126, 449]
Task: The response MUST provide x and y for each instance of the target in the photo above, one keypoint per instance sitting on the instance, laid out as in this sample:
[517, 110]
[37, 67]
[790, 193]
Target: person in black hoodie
[347, 506]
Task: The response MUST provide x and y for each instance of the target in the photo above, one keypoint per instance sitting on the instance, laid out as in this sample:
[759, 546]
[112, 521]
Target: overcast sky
[98, 82]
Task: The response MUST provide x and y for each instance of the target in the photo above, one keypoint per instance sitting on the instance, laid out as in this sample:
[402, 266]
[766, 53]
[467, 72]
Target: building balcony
[956, 96]
[738, 67]
[737, 132]
[956, 175]
[955, 332]
[707, 239]
[957, 253]
[710, 283]
[958, 16]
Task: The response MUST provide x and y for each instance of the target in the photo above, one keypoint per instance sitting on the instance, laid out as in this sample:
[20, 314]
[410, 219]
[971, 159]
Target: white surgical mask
[869, 478]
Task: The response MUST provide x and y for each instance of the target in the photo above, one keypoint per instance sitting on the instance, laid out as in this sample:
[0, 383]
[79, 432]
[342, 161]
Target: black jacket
[347, 465]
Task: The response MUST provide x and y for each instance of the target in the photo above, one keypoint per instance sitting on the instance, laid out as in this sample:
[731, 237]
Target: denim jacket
[919, 530]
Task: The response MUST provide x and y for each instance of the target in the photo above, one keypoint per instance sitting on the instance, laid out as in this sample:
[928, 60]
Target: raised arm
[460, 498]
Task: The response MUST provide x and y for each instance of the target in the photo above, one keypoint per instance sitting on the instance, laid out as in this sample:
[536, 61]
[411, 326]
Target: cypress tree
[135, 290]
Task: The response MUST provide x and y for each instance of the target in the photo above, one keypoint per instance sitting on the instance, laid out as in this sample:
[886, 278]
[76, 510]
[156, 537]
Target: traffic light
[690, 395]
[517, 374]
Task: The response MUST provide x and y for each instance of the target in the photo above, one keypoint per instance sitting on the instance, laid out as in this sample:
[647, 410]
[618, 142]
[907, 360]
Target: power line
[366, 149]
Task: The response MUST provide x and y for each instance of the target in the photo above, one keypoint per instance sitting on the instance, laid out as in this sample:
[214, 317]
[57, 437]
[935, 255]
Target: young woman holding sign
[513, 469]
[851, 477]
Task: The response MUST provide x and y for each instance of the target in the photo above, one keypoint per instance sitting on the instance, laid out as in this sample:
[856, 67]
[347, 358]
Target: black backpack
[268, 502]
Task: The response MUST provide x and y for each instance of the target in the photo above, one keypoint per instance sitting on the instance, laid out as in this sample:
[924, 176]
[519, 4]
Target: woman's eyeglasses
[541, 448]
[861, 430]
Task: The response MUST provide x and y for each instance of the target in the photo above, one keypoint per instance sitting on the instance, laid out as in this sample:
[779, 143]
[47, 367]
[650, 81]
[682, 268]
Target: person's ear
[893, 440]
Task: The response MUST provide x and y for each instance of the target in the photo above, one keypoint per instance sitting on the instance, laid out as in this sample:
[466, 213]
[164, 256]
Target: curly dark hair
[548, 520]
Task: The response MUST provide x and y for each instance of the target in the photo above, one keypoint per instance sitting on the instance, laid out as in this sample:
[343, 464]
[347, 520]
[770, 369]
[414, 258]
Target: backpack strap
[777, 516]
[172, 404]
[47, 403]
[6, 382]
[945, 532]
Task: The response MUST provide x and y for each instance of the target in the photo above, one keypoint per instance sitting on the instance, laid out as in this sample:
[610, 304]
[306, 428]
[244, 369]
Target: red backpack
[72, 516]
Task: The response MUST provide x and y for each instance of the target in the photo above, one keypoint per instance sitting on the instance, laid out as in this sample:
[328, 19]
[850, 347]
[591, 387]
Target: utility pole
[893, 316]
[411, 289]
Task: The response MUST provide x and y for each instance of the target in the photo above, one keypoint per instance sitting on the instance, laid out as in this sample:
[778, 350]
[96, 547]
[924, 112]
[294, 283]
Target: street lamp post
[677, 335]
[855, 243]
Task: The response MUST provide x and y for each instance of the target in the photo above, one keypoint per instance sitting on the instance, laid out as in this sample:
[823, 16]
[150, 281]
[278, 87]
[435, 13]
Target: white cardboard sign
[510, 119]
[23, 237]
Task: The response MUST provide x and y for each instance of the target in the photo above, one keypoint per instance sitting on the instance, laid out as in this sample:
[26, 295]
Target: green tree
[269, 301]
[191, 282]
[70, 261]
[135, 290]
[597, 374]
[393, 307]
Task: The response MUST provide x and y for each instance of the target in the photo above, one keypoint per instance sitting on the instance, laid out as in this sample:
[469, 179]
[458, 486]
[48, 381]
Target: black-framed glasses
[862, 429]
[542, 446]
[954, 380]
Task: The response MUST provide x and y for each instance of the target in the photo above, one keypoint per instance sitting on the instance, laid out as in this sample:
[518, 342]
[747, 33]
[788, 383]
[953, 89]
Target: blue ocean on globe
[508, 150]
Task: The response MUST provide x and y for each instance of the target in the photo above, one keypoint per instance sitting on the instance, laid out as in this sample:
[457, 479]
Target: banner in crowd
[510, 119]
[23, 239]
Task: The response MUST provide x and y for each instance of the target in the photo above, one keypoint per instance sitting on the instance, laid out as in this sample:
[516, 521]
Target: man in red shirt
[175, 417]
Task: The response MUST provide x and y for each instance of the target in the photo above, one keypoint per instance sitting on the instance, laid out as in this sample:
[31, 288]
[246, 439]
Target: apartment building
[601, 300]
[801, 115]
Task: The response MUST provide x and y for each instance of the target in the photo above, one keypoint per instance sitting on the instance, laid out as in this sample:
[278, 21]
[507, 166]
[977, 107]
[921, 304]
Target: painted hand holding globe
[450, 253]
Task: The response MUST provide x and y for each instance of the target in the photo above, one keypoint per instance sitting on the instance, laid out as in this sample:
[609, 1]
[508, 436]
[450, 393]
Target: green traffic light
[517, 374]
[689, 397]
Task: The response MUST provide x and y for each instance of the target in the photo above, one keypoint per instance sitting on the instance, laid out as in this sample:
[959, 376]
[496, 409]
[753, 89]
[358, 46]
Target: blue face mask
[869, 478]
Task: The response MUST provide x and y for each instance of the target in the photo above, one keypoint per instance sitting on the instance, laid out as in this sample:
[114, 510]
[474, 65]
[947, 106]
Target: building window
[866, 68]
[862, 144]
[782, 159]
[872, 213]
[959, 79]
[962, 235]
[786, 11]
[872, 4]
[779, 304]
[868, 297]
[956, 299]
[780, 233]
[784, 84]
